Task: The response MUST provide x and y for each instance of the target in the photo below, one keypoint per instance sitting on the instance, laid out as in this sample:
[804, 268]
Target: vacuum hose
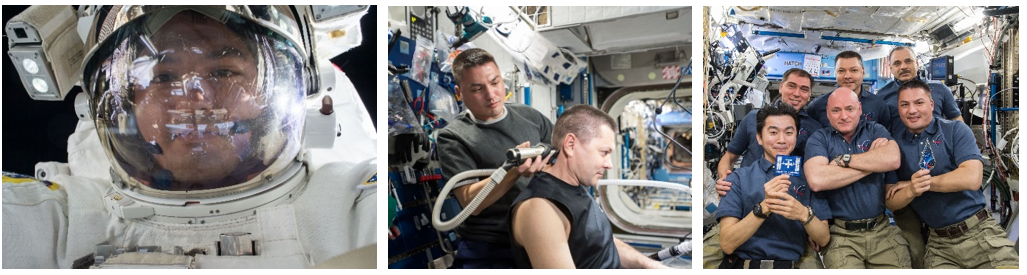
[514, 156]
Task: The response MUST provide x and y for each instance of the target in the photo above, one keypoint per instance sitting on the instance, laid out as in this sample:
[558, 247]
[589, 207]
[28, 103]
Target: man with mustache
[904, 66]
[478, 139]
[554, 222]
[850, 163]
[848, 67]
[944, 167]
[765, 219]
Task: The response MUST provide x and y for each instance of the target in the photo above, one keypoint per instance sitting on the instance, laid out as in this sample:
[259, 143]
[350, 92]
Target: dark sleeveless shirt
[591, 238]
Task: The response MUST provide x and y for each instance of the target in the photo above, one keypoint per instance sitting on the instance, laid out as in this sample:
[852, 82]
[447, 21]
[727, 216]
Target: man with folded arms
[851, 162]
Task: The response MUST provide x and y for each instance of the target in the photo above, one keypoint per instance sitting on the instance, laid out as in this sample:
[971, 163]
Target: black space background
[37, 131]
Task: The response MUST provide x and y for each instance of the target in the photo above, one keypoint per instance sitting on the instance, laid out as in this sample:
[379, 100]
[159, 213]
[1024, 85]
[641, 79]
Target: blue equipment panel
[418, 242]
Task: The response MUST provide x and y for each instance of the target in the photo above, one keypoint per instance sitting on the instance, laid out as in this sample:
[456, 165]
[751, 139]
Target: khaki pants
[912, 230]
[712, 255]
[984, 245]
[880, 247]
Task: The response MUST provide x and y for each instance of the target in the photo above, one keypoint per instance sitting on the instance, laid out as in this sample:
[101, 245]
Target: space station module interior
[631, 62]
[974, 51]
[208, 137]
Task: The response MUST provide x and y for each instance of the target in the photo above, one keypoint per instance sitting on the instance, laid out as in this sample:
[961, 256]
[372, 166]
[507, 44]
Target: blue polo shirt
[951, 143]
[873, 107]
[778, 238]
[944, 103]
[864, 198]
[744, 142]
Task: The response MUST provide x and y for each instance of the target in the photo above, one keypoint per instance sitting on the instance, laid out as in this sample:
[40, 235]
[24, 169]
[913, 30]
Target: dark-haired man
[850, 163]
[944, 167]
[765, 219]
[478, 139]
[848, 68]
[555, 223]
[904, 67]
[795, 89]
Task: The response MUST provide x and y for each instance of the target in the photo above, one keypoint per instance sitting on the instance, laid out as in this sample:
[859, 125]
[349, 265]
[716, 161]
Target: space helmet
[193, 102]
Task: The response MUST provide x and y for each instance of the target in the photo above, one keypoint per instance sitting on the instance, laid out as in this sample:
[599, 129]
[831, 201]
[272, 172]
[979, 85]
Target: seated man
[784, 209]
[555, 223]
[795, 88]
[850, 163]
[941, 160]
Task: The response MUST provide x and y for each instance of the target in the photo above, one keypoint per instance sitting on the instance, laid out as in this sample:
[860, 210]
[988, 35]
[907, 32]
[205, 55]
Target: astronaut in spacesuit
[201, 113]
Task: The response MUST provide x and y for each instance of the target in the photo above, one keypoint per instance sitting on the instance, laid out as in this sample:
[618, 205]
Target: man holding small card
[851, 163]
[766, 218]
[944, 167]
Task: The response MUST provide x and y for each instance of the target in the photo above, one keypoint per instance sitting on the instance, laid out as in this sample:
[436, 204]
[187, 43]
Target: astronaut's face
[849, 72]
[916, 109]
[795, 90]
[903, 65]
[778, 136]
[200, 94]
[844, 110]
[482, 90]
[596, 154]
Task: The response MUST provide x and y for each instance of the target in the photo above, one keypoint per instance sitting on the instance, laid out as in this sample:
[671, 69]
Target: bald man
[850, 164]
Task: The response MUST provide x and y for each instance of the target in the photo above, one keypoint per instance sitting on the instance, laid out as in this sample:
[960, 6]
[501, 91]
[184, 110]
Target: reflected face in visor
[199, 99]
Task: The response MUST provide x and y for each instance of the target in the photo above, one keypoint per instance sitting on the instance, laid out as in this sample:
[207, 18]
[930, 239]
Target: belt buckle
[954, 231]
[766, 264]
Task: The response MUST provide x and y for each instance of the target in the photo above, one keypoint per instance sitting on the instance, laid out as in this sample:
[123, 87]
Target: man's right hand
[920, 182]
[723, 185]
[779, 183]
[531, 166]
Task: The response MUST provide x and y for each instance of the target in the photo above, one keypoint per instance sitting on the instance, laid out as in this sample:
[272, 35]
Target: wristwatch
[845, 159]
[838, 160]
[810, 216]
[758, 211]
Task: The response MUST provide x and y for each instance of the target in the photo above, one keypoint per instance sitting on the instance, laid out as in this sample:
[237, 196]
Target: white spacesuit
[206, 119]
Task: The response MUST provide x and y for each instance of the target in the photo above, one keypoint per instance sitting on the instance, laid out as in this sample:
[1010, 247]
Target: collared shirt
[951, 143]
[744, 141]
[874, 108]
[944, 103]
[778, 238]
[864, 198]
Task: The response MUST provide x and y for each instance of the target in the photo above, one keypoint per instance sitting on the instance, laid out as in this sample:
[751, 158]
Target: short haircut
[777, 109]
[470, 58]
[915, 84]
[800, 72]
[911, 52]
[848, 54]
[583, 121]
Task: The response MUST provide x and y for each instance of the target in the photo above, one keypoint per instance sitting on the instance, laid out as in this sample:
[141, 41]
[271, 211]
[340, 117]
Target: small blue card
[787, 165]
